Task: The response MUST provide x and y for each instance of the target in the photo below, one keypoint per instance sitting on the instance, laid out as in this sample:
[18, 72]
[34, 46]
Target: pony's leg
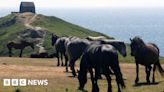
[97, 73]
[66, 62]
[137, 71]
[57, 55]
[10, 52]
[119, 79]
[73, 68]
[21, 53]
[61, 56]
[154, 68]
[109, 82]
[101, 72]
[107, 75]
[92, 78]
[72, 65]
[147, 70]
[82, 77]
[66, 59]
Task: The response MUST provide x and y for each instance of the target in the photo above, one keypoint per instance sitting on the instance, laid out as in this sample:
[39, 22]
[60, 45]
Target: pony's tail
[160, 69]
[156, 47]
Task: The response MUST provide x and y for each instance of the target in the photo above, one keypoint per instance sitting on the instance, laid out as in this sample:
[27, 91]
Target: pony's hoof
[136, 81]
[57, 64]
[74, 75]
[82, 89]
[95, 90]
[153, 81]
[148, 82]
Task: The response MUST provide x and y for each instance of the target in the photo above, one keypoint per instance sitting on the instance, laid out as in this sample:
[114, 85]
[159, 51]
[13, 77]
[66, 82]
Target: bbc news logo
[24, 82]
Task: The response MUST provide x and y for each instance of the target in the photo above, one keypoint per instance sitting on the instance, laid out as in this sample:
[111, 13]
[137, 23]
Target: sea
[122, 24]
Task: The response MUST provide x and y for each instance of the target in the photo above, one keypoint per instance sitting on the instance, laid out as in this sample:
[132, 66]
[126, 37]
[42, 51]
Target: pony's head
[122, 48]
[53, 39]
[136, 44]
[82, 77]
[118, 45]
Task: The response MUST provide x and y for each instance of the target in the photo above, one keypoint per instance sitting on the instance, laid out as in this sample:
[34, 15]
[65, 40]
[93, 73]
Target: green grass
[9, 34]
[62, 28]
[6, 19]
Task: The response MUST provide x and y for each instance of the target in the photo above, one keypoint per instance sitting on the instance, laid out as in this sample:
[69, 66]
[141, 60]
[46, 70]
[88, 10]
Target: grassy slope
[51, 24]
[61, 27]
[8, 33]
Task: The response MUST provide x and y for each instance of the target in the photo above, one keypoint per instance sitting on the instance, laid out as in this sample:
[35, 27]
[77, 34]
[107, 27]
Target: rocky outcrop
[8, 22]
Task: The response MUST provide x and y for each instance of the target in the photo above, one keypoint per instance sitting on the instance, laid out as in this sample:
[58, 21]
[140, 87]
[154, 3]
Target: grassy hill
[13, 24]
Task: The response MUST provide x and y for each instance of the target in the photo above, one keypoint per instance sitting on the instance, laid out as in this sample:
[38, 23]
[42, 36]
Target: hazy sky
[87, 3]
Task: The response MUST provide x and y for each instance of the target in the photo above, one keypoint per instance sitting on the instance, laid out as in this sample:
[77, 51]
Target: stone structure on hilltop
[27, 7]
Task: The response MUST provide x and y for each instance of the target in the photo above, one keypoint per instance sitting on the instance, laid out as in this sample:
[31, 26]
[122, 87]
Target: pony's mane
[94, 38]
[23, 41]
[54, 35]
[26, 42]
[112, 40]
[139, 41]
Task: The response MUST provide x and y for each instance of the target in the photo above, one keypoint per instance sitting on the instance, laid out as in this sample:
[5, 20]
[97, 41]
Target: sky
[86, 3]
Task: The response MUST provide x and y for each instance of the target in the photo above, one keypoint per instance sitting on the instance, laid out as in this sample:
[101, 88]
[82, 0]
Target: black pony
[59, 43]
[100, 58]
[20, 46]
[145, 54]
[75, 49]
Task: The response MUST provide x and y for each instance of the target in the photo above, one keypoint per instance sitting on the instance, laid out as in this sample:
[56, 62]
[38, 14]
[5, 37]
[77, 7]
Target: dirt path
[29, 21]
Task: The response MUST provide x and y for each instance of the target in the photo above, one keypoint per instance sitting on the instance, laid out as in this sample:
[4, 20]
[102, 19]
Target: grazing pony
[40, 55]
[60, 46]
[100, 58]
[20, 46]
[76, 48]
[145, 54]
[59, 43]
